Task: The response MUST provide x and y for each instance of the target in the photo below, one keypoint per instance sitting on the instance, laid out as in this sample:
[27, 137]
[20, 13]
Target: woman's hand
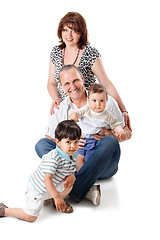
[55, 104]
[127, 120]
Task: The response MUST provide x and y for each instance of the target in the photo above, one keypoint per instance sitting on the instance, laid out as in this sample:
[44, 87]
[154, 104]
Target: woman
[75, 49]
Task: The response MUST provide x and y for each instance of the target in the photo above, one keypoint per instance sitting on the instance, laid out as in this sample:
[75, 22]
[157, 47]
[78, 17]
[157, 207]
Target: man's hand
[127, 134]
[127, 120]
[120, 136]
[55, 104]
[69, 181]
[100, 135]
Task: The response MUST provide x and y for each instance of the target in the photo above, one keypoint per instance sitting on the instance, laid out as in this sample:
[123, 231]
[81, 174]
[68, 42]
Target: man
[103, 163]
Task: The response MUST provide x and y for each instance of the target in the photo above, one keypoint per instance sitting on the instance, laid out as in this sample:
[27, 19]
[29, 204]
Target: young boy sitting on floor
[50, 175]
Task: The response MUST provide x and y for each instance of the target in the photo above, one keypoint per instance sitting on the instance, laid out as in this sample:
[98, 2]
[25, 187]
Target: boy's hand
[69, 181]
[60, 204]
[82, 142]
[74, 116]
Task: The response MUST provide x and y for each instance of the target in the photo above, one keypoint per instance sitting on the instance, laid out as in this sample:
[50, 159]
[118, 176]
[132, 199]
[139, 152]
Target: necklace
[74, 60]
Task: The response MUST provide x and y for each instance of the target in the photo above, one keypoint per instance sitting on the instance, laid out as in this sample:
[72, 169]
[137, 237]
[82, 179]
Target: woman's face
[69, 36]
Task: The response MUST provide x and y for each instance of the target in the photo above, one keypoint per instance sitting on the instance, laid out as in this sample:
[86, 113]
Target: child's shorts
[34, 200]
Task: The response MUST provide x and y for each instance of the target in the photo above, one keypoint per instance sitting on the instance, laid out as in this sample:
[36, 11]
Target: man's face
[72, 83]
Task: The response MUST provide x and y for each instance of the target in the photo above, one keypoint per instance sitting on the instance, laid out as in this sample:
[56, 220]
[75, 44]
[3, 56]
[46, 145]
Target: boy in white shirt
[50, 175]
[94, 117]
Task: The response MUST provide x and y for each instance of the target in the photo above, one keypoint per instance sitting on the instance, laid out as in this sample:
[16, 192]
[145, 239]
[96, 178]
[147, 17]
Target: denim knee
[38, 147]
[113, 149]
[43, 146]
[111, 141]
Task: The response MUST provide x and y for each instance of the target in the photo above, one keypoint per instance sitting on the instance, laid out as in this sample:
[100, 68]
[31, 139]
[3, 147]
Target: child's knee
[30, 218]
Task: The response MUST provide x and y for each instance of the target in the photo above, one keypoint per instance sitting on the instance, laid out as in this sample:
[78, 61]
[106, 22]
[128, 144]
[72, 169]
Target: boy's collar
[95, 113]
[65, 155]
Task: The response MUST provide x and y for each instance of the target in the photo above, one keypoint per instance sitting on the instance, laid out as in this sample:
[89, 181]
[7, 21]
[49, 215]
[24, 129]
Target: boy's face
[97, 101]
[68, 146]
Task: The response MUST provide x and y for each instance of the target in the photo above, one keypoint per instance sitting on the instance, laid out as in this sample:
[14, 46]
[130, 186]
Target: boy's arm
[111, 119]
[59, 202]
[79, 113]
[112, 107]
[74, 116]
[83, 110]
[69, 181]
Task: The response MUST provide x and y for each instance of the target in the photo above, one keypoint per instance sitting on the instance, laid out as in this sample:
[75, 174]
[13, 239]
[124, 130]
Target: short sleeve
[49, 164]
[92, 54]
[52, 124]
[112, 106]
[55, 55]
[58, 116]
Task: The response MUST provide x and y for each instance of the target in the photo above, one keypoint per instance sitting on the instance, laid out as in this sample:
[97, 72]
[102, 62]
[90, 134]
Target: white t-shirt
[67, 106]
[93, 122]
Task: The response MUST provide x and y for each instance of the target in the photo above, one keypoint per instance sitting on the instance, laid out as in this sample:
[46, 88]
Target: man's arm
[69, 181]
[127, 134]
[106, 132]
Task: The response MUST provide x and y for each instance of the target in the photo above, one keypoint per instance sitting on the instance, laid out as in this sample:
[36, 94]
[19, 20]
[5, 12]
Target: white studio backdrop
[126, 33]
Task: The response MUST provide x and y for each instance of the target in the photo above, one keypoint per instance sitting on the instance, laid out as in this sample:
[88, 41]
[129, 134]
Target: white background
[126, 33]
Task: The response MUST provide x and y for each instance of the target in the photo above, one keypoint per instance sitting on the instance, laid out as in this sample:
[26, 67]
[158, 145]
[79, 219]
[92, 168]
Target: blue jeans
[88, 148]
[44, 146]
[102, 164]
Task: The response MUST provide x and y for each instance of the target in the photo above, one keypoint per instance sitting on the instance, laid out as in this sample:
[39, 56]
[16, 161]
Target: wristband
[124, 111]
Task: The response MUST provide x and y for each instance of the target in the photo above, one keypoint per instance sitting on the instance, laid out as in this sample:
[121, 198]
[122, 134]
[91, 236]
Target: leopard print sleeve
[89, 56]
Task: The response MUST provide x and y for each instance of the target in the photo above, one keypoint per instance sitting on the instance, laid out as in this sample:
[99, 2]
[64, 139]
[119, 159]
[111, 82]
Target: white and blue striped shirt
[57, 163]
